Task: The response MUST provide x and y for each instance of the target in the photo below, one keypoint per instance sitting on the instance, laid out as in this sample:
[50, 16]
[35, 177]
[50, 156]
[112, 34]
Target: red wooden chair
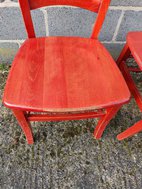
[64, 78]
[132, 48]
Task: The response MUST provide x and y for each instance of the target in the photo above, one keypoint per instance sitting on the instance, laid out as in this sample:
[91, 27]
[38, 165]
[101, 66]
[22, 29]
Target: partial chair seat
[62, 74]
[134, 40]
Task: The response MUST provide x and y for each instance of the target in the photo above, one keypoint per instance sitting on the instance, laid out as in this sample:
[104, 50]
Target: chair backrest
[98, 6]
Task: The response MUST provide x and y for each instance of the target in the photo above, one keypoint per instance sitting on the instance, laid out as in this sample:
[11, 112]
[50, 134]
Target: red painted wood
[125, 54]
[134, 69]
[131, 131]
[92, 5]
[25, 9]
[60, 74]
[133, 47]
[131, 84]
[103, 122]
[98, 6]
[64, 74]
[61, 117]
[100, 18]
[134, 40]
[25, 125]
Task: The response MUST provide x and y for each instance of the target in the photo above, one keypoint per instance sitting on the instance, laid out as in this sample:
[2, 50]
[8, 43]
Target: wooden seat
[64, 74]
[134, 40]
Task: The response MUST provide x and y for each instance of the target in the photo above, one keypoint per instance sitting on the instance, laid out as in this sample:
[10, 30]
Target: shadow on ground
[65, 155]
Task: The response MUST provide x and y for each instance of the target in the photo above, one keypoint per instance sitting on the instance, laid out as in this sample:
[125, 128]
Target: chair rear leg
[130, 131]
[25, 125]
[104, 120]
[124, 54]
[131, 84]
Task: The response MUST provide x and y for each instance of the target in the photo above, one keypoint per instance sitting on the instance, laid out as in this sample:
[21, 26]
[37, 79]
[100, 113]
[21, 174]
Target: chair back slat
[92, 5]
[98, 6]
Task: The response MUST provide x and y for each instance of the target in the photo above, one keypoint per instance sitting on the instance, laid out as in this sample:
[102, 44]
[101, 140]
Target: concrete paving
[65, 154]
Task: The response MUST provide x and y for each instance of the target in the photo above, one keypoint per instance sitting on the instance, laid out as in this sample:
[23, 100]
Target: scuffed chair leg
[25, 125]
[104, 121]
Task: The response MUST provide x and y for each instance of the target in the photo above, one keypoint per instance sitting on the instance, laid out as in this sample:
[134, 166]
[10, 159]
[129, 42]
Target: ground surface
[65, 155]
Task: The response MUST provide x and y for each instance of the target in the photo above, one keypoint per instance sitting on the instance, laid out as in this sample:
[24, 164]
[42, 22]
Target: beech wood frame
[25, 116]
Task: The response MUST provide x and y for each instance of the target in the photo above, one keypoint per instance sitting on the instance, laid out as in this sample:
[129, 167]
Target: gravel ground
[65, 155]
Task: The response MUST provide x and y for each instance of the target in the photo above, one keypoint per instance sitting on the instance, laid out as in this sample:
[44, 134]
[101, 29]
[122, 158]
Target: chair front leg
[131, 84]
[104, 121]
[25, 125]
[124, 54]
[130, 131]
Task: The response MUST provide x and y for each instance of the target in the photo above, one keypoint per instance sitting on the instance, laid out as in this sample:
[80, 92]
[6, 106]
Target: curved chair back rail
[92, 5]
[98, 6]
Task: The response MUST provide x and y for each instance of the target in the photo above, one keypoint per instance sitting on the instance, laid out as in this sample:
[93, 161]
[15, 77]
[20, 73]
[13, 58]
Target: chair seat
[134, 40]
[61, 74]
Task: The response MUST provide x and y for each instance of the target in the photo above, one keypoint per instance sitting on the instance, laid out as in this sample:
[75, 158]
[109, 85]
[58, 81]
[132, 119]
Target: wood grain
[64, 74]
[59, 74]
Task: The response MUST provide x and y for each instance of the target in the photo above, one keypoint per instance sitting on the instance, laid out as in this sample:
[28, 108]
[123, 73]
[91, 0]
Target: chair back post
[98, 6]
[100, 18]
[25, 9]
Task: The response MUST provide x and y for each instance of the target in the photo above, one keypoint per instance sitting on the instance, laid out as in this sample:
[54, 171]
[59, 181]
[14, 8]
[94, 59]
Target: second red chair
[132, 48]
